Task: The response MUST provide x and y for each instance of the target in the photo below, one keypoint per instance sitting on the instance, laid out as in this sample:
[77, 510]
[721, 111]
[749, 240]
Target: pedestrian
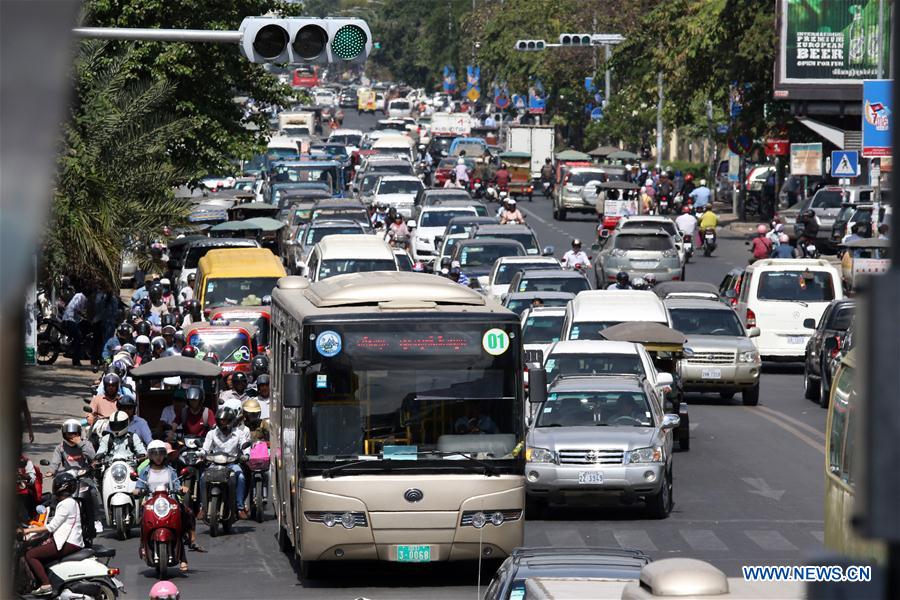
[72, 316]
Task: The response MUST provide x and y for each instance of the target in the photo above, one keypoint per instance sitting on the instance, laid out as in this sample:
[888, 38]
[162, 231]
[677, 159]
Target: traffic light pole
[158, 35]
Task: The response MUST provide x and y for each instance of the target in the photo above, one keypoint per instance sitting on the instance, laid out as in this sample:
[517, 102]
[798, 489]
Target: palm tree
[115, 183]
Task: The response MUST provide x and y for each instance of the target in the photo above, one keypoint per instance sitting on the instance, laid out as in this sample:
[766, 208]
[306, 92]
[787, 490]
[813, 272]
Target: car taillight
[837, 348]
[751, 318]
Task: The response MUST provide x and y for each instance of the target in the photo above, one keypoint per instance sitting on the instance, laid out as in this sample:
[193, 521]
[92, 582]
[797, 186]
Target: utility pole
[607, 51]
[659, 120]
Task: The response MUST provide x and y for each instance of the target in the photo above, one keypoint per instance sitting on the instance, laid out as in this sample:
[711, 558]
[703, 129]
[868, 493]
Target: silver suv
[600, 437]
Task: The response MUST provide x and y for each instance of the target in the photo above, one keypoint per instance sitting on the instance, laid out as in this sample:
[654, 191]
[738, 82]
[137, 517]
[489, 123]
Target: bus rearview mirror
[290, 395]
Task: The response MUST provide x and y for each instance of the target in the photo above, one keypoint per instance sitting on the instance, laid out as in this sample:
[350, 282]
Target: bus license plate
[590, 477]
[413, 553]
[711, 373]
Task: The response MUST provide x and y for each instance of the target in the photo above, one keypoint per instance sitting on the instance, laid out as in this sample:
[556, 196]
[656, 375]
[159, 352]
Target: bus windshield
[249, 291]
[420, 385]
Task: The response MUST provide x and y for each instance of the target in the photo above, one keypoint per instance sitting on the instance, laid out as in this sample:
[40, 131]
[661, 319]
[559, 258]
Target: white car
[398, 191]
[497, 283]
[324, 98]
[593, 311]
[399, 108]
[432, 222]
[541, 328]
[350, 138]
[654, 221]
[778, 294]
[602, 357]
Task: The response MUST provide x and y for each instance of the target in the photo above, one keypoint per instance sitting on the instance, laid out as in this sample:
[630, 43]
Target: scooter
[121, 506]
[709, 241]
[477, 189]
[192, 457]
[162, 532]
[492, 193]
[221, 488]
[259, 479]
[688, 247]
[547, 188]
[665, 204]
[84, 496]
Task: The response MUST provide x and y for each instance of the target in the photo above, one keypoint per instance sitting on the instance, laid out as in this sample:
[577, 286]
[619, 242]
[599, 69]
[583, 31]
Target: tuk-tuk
[153, 396]
[234, 344]
[519, 166]
[259, 316]
[267, 232]
[239, 212]
[863, 258]
[666, 348]
[616, 199]
[366, 101]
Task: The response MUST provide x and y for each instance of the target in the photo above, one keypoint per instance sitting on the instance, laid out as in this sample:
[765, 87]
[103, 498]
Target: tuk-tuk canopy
[515, 155]
[572, 155]
[644, 332]
[172, 366]
[234, 226]
[622, 155]
[255, 209]
[602, 151]
[265, 223]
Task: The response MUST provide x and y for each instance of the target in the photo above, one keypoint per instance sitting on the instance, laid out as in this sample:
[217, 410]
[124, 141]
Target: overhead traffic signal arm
[530, 45]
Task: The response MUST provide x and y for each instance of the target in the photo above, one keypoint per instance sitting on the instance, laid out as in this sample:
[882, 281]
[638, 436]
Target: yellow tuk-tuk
[519, 166]
[863, 258]
[366, 101]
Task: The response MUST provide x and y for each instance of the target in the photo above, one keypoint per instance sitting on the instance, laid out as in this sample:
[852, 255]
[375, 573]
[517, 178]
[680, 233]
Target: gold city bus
[397, 418]
[841, 431]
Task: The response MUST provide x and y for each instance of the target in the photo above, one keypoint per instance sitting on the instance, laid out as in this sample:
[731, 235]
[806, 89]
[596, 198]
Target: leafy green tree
[115, 182]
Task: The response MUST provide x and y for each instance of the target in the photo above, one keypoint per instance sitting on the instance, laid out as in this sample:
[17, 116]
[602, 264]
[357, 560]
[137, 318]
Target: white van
[399, 108]
[777, 294]
[350, 253]
[593, 311]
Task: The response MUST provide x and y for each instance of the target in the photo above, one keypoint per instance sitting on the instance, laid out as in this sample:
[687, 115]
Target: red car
[259, 316]
[446, 166]
[234, 345]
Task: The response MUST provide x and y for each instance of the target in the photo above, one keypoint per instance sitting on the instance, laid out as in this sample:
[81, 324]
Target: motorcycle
[120, 505]
[709, 241]
[221, 488]
[85, 499]
[547, 188]
[688, 247]
[665, 204]
[52, 340]
[492, 193]
[162, 532]
[192, 457]
[259, 479]
[477, 189]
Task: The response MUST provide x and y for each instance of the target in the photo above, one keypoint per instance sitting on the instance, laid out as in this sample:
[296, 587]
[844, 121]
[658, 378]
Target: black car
[599, 563]
[824, 344]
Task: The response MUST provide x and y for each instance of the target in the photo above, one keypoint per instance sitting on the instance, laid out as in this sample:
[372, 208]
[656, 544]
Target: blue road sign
[844, 163]
[597, 114]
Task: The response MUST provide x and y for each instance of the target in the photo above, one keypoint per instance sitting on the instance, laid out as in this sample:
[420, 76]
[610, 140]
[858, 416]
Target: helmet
[64, 484]
[189, 351]
[123, 332]
[166, 284]
[131, 349]
[118, 423]
[156, 446]
[648, 182]
[511, 201]
[192, 277]
[686, 209]
[225, 418]
[576, 242]
[260, 365]
[252, 409]
[779, 227]
[137, 311]
[125, 402]
[547, 160]
[783, 239]
[144, 328]
[650, 278]
[167, 319]
[193, 393]
[156, 293]
[762, 229]
[410, 224]
[158, 343]
[71, 426]
[111, 379]
[238, 378]
[622, 277]
[262, 379]
[192, 307]
[142, 339]
[689, 177]
[639, 283]
[164, 590]
[702, 182]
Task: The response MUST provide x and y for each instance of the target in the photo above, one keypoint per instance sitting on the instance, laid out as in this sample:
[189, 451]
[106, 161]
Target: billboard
[806, 159]
[826, 48]
[877, 118]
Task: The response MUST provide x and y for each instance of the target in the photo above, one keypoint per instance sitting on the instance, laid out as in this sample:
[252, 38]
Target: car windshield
[316, 234]
[340, 266]
[591, 409]
[590, 330]
[440, 218]
[542, 329]
[526, 239]
[449, 243]
[583, 177]
[400, 105]
[482, 256]
[341, 213]
[295, 131]
[228, 291]
[346, 140]
[796, 286]
[573, 285]
[518, 305]
[470, 148]
[228, 346]
[446, 196]
[399, 186]
[506, 271]
[652, 243]
[667, 226]
[827, 199]
[593, 364]
[692, 321]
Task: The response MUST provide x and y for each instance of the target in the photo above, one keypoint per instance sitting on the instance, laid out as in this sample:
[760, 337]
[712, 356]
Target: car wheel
[750, 396]
[660, 505]
[811, 386]
[555, 212]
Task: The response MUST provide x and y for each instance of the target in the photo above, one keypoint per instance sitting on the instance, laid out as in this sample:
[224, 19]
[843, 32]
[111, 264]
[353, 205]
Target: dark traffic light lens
[531, 45]
[586, 40]
[310, 41]
[270, 41]
[540, 45]
[349, 42]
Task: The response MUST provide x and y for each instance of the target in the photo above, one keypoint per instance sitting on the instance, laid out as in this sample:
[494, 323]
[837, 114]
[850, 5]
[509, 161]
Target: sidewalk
[54, 393]
[730, 221]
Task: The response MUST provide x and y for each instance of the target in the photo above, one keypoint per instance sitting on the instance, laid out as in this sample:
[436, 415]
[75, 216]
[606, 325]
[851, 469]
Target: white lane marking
[703, 539]
[819, 535]
[761, 488]
[814, 444]
[635, 539]
[805, 426]
[769, 539]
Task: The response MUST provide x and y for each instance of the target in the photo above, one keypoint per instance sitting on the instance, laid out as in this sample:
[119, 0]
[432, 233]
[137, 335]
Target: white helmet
[118, 423]
[142, 339]
[512, 201]
[410, 224]
[156, 445]
[702, 183]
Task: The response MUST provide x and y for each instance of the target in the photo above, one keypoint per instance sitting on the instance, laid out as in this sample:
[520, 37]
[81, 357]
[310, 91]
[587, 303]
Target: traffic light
[530, 45]
[296, 40]
[575, 39]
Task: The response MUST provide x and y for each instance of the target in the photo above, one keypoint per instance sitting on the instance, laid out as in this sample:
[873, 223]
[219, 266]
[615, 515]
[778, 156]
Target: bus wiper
[487, 468]
[449, 398]
[331, 472]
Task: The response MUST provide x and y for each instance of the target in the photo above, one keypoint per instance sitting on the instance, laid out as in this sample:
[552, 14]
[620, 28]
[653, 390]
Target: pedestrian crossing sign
[845, 163]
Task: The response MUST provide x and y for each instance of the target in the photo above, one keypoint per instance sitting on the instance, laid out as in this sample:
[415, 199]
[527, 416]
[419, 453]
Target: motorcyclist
[120, 443]
[187, 292]
[143, 291]
[709, 220]
[75, 453]
[124, 334]
[225, 439]
[159, 473]
[461, 171]
[168, 297]
[398, 228]
[157, 347]
[808, 223]
[257, 426]
[512, 213]
[104, 405]
[686, 222]
[688, 186]
[136, 424]
[195, 419]
[238, 389]
[622, 282]
[547, 172]
[259, 366]
[648, 195]
[157, 306]
[142, 344]
[28, 489]
[457, 275]
[639, 283]
[700, 195]
[761, 245]
[451, 181]
[411, 227]
[784, 248]
[191, 311]
[806, 247]
[501, 176]
[262, 394]
[576, 258]
[380, 214]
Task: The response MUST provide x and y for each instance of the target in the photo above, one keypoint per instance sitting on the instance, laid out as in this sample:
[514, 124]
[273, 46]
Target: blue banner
[449, 80]
[536, 103]
[877, 118]
[473, 90]
[501, 96]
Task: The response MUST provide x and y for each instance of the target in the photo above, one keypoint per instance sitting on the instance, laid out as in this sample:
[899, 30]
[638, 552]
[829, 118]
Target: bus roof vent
[293, 282]
[406, 305]
[672, 577]
[391, 288]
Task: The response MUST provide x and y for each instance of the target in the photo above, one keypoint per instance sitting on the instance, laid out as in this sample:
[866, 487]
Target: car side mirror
[809, 323]
[44, 462]
[548, 250]
[438, 240]
[665, 379]
[291, 390]
[753, 332]
[604, 233]
[537, 384]
[670, 422]
[830, 344]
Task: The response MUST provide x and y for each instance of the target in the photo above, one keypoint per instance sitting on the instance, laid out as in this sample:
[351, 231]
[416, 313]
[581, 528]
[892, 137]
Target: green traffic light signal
[349, 42]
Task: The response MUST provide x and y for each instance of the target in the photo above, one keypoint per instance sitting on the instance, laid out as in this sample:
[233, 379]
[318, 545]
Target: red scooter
[162, 531]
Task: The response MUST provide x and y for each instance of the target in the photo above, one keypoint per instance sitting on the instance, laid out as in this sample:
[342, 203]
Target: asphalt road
[750, 490]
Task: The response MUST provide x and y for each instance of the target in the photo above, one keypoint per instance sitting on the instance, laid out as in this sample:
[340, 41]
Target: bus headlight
[347, 519]
[480, 518]
[329, 520]
[497, 519]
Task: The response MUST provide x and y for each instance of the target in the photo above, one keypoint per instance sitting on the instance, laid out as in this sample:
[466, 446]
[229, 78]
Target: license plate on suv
[711, 373]
[588, 477]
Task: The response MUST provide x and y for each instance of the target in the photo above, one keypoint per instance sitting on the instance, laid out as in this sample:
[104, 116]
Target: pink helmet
[762, 229]
[164, 590]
